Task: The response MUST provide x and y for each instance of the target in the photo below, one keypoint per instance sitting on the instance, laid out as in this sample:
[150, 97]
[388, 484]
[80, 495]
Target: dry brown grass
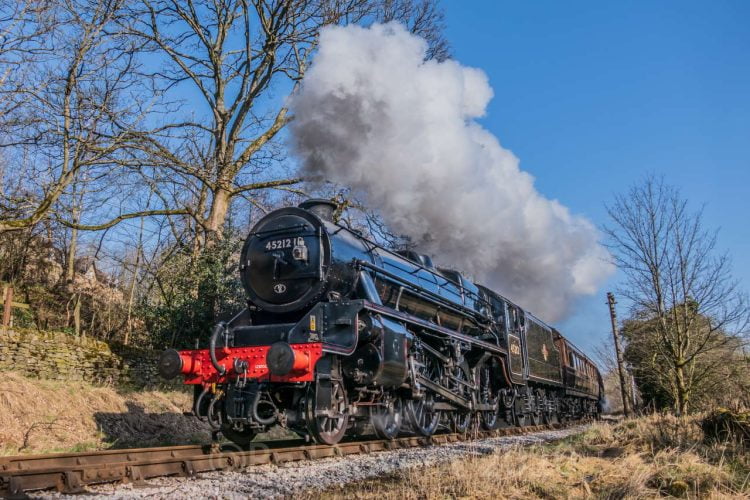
[44, 416]
[642, 458]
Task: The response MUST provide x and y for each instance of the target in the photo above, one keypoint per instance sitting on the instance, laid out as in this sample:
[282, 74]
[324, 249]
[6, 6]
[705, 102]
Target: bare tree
[422, 17]
[112, 111]
[87, 101]
[676, 281]
[720, 374]
[24, 25]
[72, 113]
[238, 59]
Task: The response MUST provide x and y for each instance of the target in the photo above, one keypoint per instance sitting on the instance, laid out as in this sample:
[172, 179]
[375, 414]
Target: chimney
[321, 207]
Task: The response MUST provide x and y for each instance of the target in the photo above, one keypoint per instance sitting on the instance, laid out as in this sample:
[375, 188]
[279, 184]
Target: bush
[723, 426]
[195, 292]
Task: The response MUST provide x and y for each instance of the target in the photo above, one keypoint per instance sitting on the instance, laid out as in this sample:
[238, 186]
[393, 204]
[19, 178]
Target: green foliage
[23, 318]
[194, 293]
[650, 368]
[719, 376]
[48, 304]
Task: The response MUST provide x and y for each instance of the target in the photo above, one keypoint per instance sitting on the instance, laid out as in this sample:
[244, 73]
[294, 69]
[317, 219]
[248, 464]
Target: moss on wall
[60, 356]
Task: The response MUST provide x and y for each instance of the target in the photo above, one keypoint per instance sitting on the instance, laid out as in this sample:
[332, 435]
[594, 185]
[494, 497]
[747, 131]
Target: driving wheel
[387, 419]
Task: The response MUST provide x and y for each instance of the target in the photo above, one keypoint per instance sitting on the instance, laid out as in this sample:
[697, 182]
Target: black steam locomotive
[341, 336]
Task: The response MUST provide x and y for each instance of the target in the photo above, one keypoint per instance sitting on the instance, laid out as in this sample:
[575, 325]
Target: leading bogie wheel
[241, 436]
[329, 428]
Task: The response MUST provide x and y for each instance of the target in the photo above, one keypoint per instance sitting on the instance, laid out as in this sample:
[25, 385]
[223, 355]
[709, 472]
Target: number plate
[279, 244]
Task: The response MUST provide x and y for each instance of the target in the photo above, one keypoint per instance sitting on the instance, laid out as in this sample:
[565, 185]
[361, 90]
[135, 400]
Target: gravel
[284, 480]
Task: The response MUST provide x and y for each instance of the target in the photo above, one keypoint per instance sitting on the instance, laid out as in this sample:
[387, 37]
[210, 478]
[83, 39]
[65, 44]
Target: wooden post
[7, 306]
[618, 351]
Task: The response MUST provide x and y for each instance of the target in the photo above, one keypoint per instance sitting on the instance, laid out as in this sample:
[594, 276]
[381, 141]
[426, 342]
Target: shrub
[723, 425]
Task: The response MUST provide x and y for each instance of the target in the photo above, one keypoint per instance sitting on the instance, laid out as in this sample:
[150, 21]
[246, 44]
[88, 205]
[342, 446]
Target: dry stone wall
[60, 356]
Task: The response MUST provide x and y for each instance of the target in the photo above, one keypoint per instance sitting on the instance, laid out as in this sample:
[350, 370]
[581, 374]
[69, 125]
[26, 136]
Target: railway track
[70, 472]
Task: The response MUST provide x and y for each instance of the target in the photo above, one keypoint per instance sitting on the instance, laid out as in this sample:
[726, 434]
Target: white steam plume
[373, 115]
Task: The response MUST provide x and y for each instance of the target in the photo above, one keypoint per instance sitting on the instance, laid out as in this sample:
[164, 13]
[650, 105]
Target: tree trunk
[92, 322]
[131, 295]
[77, 315]
[683, 391]
[70, 269]
[70, 273]
[218, 214]
[200, 234]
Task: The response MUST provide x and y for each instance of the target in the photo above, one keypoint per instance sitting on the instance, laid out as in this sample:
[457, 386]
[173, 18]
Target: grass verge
[46, 416]
[648, 457]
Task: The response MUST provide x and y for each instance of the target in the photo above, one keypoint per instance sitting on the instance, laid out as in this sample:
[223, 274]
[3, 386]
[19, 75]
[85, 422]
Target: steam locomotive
[344, 337]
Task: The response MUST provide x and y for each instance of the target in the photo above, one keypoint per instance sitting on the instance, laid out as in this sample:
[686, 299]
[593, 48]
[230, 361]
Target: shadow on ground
[139, 428]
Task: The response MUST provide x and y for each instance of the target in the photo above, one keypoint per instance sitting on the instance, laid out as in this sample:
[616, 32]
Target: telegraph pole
[618, 350]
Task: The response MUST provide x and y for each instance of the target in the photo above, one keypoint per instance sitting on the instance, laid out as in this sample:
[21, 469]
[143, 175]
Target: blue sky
[594, 96]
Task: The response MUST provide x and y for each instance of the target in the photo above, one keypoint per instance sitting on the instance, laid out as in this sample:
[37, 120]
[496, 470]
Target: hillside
[45, 416]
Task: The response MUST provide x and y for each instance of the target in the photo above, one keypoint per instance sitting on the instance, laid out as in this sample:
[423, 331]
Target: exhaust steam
[401, 132]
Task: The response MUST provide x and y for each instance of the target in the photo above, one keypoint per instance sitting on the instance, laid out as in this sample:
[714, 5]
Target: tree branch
[120, 218]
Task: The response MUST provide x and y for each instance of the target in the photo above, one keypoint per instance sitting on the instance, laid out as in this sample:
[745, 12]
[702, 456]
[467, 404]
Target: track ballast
[70, 472]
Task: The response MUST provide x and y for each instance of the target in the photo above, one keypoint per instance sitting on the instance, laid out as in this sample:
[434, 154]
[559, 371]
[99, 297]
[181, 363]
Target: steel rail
[70, 472]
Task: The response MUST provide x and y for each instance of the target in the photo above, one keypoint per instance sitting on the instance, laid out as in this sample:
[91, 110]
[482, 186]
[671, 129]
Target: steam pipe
[215, 424]
[199, 400]
[218, 329]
